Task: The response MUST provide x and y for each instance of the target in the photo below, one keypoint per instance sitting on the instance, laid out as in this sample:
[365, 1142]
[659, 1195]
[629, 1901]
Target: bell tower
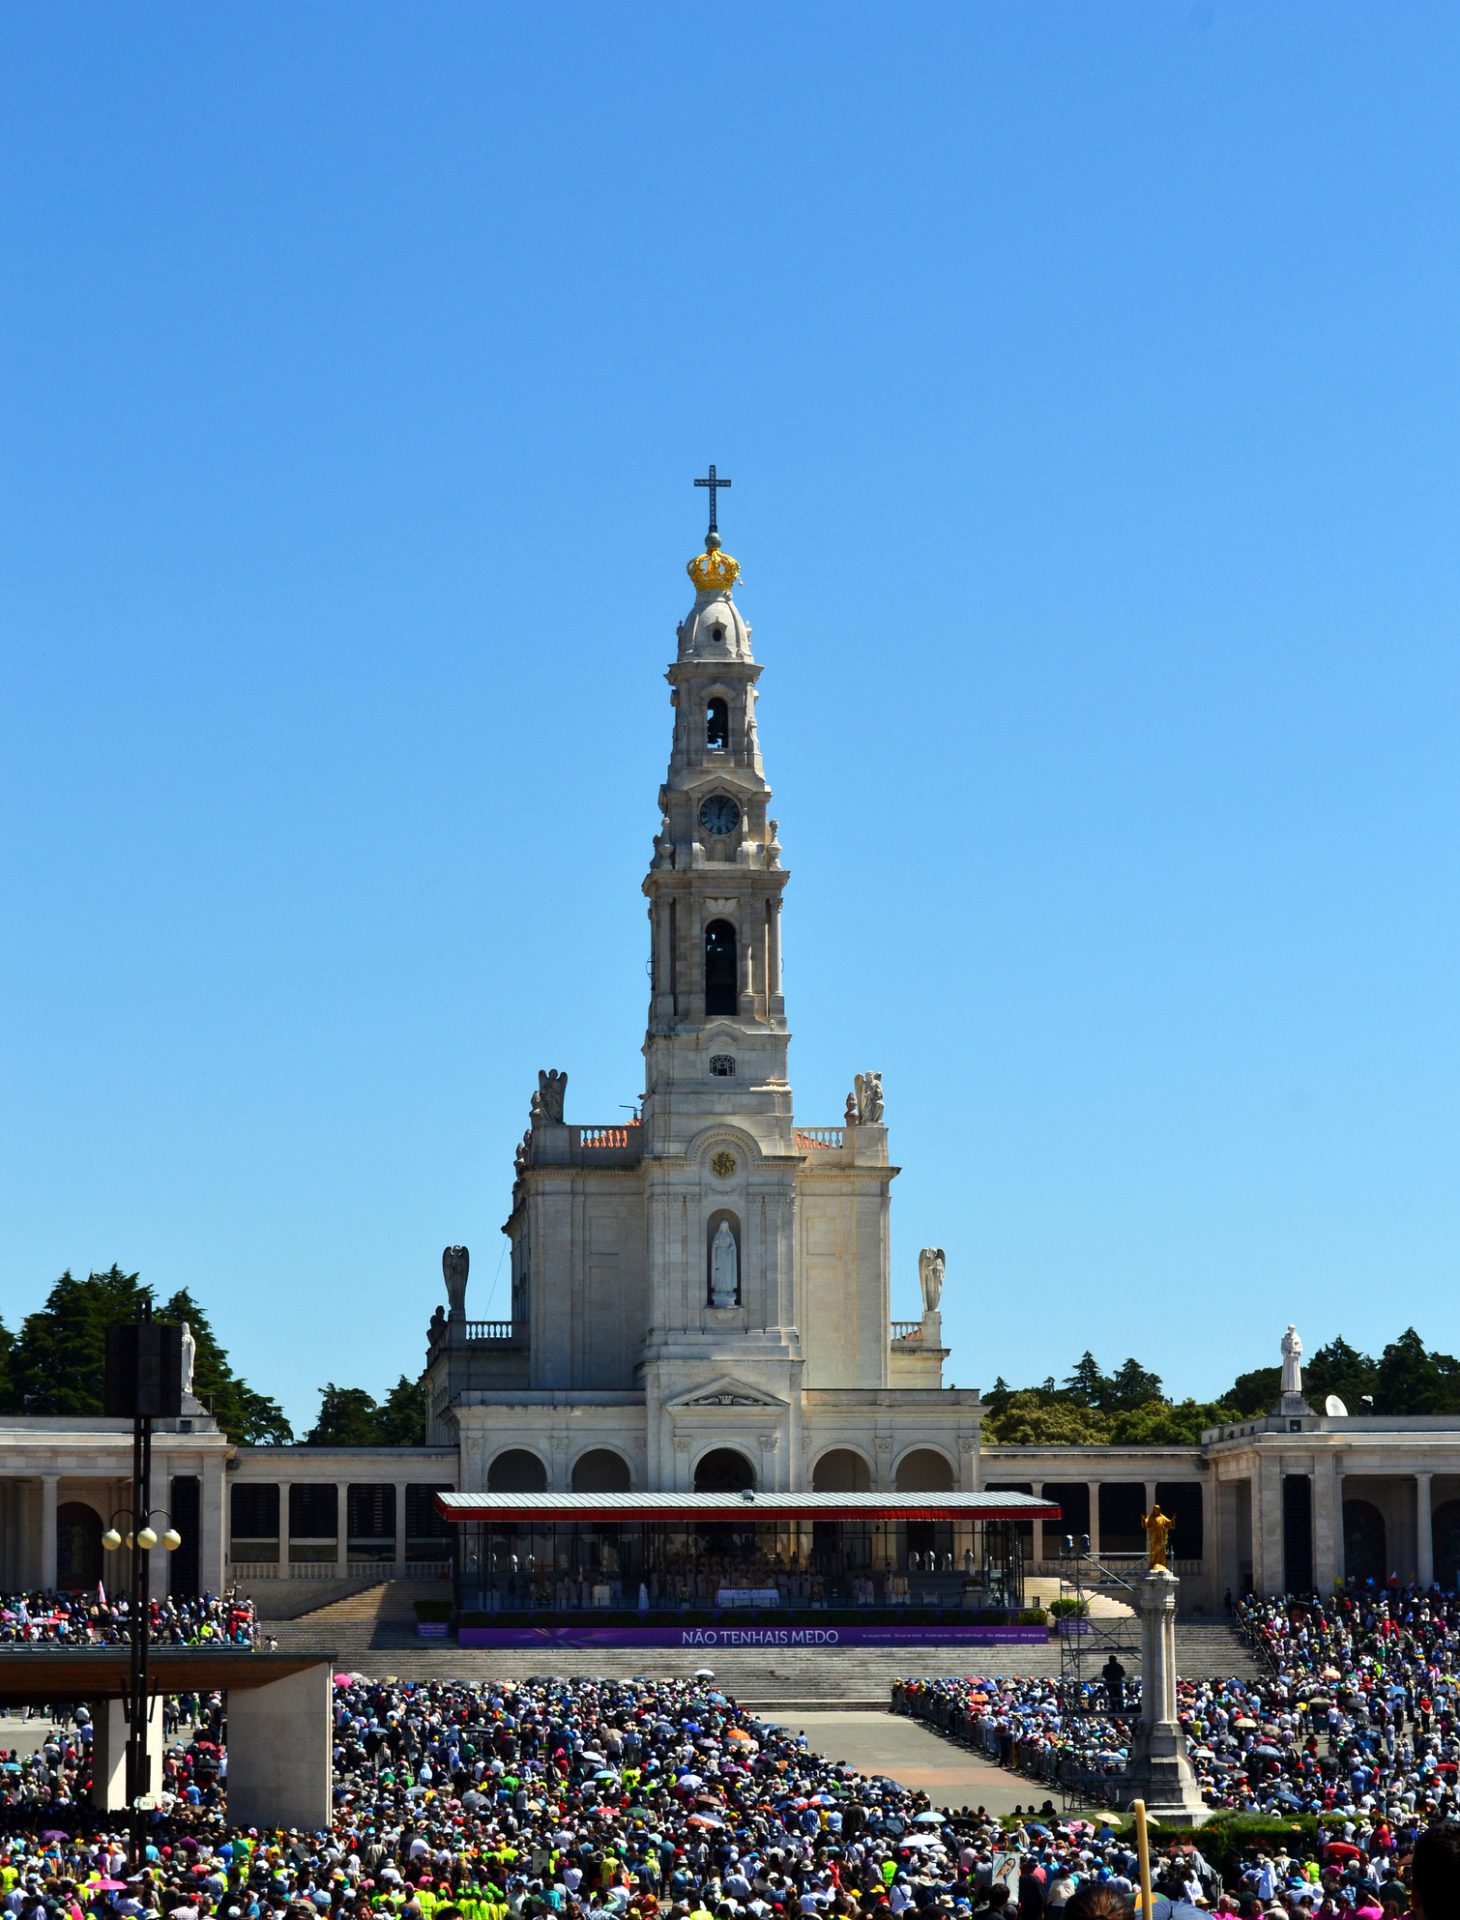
[721, 1352]
[717, 1038]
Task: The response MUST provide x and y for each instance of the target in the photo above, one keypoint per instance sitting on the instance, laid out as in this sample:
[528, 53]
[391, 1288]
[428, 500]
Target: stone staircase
[374, 1633]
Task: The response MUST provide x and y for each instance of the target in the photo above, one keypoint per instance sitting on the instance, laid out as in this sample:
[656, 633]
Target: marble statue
[1159, 1528]
[438, 1322]
[866, 1100]
[1292, 1361]
[547, 1102]
[851, 1112]
[189, 1358]
[932, 1263]
[724, 1268]
[455, 1263]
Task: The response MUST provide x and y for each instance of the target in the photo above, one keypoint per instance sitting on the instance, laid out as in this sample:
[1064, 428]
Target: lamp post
[141, 1537]
[143, 1383]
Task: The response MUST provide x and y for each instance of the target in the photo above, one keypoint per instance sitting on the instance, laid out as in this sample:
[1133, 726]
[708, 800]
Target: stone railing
[907, 1329]
[489, 1330]
[810, 1139]
[376, 1570]
[623, 1136]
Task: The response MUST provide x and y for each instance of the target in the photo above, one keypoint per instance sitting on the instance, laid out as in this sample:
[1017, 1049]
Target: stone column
[49, 1482]
[1327, 1523]
[281, 1751]
[1160, 1772]
[1267, 1526]
[342, 1526]
[1094, 1492]
[1424, 1530]
[285, 1488]
[212, 1522]
[400, 1528]
[159, 1507]
[109, 1753]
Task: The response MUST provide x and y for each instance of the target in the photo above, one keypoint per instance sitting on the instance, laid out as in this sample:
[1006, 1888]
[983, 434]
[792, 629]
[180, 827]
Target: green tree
[7, 1370]
[1162, 1423]
[1131, 1385]
[1410, 1379]
[998, 1394]
[59, 1361]
[348, 1417]
[402, 1416]
[1032, 1419]
[1255, 1392]
[1341, 1369]
[1087, 1385]
[248, 1418]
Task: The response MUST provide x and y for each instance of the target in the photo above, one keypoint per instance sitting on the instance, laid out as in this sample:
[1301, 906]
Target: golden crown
[713, 571]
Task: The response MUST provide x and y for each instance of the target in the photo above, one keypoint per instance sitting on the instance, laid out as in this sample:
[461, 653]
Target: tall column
[400, 1528]
[342, 1525]
[285, 1489]
[212, 1531]
[1160, 1772]
[1094, 1488]
[1424, 1531]
[1267, 1525]
[49, 1482]
[1327, 1527]
[158, 1497]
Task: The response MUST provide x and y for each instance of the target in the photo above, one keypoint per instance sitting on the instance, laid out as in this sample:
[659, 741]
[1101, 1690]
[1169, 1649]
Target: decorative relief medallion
[723, 1163]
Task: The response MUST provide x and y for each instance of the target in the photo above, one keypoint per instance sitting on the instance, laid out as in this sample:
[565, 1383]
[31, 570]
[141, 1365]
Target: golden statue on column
[1159, 1528]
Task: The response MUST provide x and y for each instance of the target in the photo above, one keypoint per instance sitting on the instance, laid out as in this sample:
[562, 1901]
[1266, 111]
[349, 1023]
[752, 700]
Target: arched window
[516, 1471]
[722, 967]
[717, 725]
[840, 1470]
[924, 1470]
[600, 1470]
[724, 1470]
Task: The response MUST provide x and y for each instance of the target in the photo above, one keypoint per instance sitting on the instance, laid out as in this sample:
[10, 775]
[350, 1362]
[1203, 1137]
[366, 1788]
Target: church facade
[700, 1299]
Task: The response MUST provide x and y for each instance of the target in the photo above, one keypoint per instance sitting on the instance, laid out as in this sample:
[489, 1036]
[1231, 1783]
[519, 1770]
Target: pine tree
[348, 1417]
[402, 1417]
[1087, 1385]
[59, 1362]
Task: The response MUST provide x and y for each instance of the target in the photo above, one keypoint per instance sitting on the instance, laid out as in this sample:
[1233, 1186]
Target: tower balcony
[554, 1144]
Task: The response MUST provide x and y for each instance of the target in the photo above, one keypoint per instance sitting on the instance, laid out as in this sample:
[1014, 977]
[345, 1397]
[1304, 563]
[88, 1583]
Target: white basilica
[701, 1299]
[701, 1302]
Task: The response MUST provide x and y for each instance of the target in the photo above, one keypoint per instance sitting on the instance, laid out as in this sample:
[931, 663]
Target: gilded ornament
[713, 571]
[722, 1163]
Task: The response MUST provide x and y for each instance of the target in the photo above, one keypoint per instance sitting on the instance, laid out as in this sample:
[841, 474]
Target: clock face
[719, 814]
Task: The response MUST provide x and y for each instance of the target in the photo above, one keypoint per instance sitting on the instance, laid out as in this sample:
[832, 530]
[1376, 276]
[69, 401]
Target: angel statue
[455, 1264]
[1159, 1529]
[867, 1092]
[931, 1264]
[547, 1102]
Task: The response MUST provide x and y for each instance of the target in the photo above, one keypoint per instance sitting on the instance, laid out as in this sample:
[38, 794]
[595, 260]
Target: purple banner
[430, 1629]
[949, 1635]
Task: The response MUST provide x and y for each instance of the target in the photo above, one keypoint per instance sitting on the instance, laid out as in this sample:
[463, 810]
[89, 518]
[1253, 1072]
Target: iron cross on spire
[713, 483]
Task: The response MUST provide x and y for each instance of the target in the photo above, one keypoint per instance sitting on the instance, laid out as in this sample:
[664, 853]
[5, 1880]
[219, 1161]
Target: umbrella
[931, 1819]
[1244, 1720]
[107, 1886]
[704, 1673]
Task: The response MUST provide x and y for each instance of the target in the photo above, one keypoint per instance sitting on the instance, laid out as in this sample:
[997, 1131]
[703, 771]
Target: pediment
[726, 1391]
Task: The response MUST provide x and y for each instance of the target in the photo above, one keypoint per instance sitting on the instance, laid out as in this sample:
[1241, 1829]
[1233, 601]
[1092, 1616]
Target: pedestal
[1160, 1772]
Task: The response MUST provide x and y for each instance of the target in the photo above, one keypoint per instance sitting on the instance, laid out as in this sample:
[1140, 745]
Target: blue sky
[1087, 375]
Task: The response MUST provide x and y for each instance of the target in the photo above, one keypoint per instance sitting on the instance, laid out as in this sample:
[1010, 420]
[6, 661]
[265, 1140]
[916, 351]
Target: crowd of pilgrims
[92, 1620]
[565, 1799]
[1358, 1712]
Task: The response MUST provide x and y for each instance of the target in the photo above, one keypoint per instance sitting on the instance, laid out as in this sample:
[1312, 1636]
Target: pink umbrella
[106, 1886]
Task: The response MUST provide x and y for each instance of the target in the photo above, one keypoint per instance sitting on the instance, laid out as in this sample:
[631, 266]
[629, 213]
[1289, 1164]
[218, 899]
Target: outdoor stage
[711, 1570]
